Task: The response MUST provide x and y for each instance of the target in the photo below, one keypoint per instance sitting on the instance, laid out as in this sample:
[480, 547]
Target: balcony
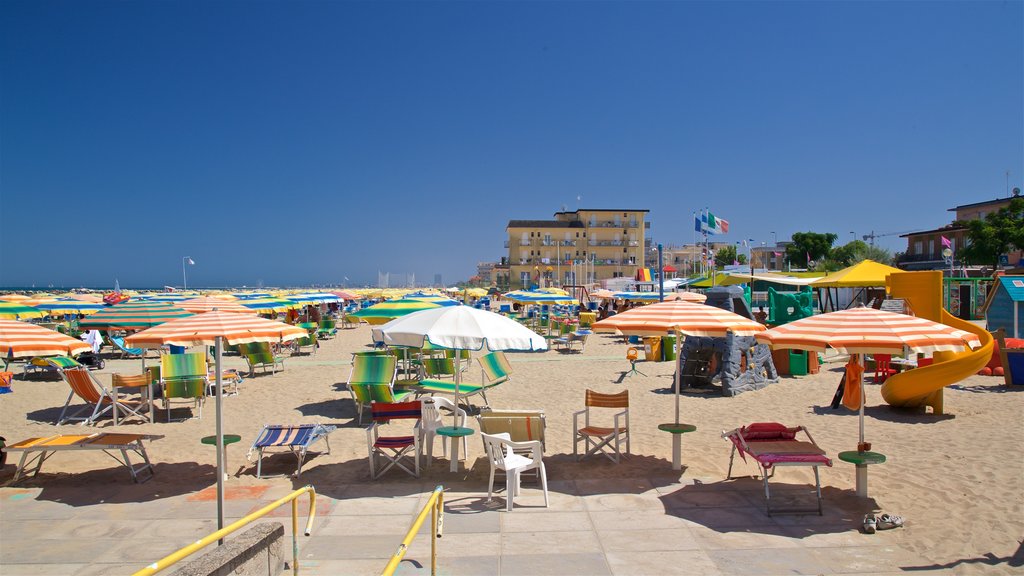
[920, 258]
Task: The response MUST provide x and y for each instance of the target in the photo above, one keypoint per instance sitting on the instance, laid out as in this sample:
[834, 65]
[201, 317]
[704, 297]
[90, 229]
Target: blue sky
[301, 142]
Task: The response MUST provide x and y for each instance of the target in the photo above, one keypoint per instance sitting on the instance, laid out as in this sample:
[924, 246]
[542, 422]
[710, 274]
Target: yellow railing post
[435, 506]
[176, 557]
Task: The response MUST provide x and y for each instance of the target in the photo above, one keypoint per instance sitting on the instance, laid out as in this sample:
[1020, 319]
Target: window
[931, 247]
[918, 247]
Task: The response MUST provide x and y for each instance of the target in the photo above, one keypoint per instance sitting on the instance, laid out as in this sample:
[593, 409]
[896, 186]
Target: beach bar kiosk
[1005, 308]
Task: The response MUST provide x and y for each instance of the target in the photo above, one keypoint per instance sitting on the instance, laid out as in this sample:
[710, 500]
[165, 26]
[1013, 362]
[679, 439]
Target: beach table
[677, 429]
[862, 460]
[455, 432]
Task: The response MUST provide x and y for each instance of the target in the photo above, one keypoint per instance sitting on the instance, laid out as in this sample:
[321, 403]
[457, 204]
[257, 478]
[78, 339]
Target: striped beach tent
[133, 315]
[14, 311]
[24, 340]
[387, 311]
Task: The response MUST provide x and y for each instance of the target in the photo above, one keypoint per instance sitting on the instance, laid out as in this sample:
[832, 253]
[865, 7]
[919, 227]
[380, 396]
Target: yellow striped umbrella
[867, 331]
[210, 303]
[263, 305]
[15, 310]
[24, 340]
[215, 328]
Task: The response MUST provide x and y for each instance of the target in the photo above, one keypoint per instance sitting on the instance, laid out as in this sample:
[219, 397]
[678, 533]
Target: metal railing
[175, 557]
[436, 506]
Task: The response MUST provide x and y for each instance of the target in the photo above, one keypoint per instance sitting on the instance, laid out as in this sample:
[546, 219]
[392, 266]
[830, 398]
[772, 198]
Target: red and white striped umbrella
[211, 303]
[678, 316]
[686, 296]
[24, 340]
[868, 331]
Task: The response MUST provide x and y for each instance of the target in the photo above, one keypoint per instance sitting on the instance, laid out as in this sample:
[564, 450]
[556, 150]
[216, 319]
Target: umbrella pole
[863, 394]
[220, 439]
[679, 371]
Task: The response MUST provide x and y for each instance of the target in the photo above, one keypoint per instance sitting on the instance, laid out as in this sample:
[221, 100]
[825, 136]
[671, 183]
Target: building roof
[578, 210]
[986, 202]
[1014, 286]
[544, 224]
[946, 228]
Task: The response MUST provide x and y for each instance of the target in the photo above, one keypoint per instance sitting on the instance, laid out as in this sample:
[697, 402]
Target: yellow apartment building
[580, 247]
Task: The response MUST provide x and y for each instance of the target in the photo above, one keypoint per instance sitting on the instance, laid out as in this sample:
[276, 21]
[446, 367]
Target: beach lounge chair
[511, 457]
[349, 322]
[520, 425]
[49, 365]
[568, 342]
[118, 343]
[372, 380]
[184, 377]
[294, 439]
[600, 438]
[771, 444]
[328, 328]
[110, 443]
[98, 400]
[308, 341]
[495, 370]
[260, 355]
[433, 418]
[394, 449]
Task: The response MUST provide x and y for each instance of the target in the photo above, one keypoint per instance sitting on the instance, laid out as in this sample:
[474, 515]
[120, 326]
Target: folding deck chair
[771, 444]
[399, 446]
[96, 397]
[49, 365]
[259, 355]
[294, 439]
[109, 442]
[495, 370]
[118, 343]
[598, 438]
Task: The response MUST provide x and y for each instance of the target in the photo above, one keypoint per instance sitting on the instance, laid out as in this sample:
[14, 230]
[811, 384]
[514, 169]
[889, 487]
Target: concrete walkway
[617, 526]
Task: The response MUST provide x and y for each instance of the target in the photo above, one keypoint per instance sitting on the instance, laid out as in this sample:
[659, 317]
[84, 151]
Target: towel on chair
[854, 383]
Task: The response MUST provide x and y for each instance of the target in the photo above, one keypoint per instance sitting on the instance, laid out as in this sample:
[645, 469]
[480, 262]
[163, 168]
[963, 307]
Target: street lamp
[853, 236]
[661, 275]
[184, 278]
[775, 240]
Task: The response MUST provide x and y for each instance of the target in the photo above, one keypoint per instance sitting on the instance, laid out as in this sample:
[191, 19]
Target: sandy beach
[956, 478]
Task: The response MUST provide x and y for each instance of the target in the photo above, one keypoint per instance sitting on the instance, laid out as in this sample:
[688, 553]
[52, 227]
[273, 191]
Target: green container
[668, 348]
[798, 362]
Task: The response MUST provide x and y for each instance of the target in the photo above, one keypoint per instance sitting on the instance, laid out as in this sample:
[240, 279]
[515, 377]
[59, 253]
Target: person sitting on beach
[761, 316]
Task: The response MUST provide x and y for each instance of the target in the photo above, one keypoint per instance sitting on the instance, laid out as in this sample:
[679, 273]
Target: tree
[876, 253]
[997, 234]
[813, 244]
[725, 257]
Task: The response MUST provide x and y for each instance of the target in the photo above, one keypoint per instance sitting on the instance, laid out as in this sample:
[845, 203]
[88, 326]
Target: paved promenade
[650, 525]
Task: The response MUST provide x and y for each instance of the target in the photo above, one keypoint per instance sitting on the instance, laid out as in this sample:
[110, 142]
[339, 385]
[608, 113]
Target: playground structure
[743, 363]
[923, 386]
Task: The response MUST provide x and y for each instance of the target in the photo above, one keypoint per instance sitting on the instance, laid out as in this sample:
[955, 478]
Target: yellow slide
[923, 386]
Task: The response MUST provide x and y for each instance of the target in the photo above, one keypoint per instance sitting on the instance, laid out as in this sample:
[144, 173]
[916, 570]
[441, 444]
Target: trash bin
[592, 306]
[668, 348]
[798, 362]
[781, 360]
[633, 339]
[652, 349]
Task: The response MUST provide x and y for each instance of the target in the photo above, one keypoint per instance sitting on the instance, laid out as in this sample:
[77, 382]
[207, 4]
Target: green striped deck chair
[434, 368]
[328, 328]
[50, 365]
[306, 342]
[184, 377]
[370, 370]
[496, 370]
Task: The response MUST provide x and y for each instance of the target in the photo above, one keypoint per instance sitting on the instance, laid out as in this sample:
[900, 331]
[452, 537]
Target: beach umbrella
[14, 310]
[345, 295]
[387, 311]
[133, 315]
[69, 306]
[268, 304]
[696, 297]
[24, 340]
[683, 318]
[867, 331]
[14, 297]
[638, 296]
[314, 298]
[459, 328]
[602, 293]
[214, 329]
[432, 298]
[208, 303]
[537, 297]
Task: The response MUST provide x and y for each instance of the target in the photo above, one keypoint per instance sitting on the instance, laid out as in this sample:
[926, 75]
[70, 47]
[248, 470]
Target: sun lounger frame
[745, 440]
[107, 442]
[298, 446]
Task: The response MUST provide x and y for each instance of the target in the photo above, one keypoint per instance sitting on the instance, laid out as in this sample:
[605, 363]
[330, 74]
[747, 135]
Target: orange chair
[883, 367]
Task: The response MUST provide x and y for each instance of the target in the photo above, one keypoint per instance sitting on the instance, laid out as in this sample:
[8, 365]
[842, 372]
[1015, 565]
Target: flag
[808, 254]
[777, 254]
[717, 225]
[704, 222]
[697, 227]
[945, 242]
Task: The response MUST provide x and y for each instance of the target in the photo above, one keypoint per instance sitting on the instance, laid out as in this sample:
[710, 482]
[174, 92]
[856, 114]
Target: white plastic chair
[432, 418]
[501, 456]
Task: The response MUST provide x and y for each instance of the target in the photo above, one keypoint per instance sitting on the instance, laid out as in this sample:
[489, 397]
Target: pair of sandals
[883, 522]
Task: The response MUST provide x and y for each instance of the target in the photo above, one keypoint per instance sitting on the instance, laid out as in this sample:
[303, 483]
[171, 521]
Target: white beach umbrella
[459, 328]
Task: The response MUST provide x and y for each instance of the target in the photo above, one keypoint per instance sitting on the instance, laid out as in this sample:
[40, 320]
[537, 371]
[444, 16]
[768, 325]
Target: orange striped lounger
[109, 443]
[771, 444]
